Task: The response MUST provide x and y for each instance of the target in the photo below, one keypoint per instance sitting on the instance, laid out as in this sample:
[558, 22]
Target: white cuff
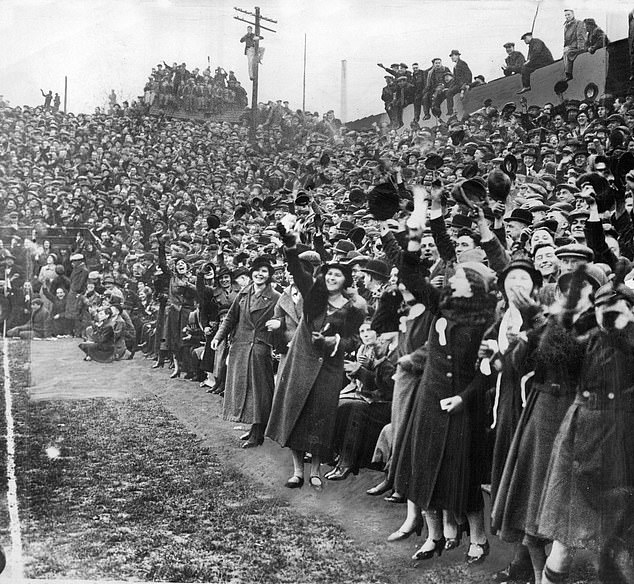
[337, 341]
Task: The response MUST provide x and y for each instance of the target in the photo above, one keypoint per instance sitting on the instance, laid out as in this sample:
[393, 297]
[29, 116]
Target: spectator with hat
[514, 60]
[249, 383]
[78, 280]
[307, 391]
[538, 56]
[435, 84]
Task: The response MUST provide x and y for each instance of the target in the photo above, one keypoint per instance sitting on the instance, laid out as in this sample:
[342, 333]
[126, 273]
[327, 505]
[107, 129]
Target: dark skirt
[590, 480]
[100, 352]
[516, 505]
[176, 319]
[405, 385]
[357, 429]
[314, 430]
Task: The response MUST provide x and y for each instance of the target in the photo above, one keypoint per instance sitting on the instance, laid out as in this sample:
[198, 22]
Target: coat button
[449, 374]
[586, 394]
[321, 359]
[576, 465]
[610, 395]
[448, 357]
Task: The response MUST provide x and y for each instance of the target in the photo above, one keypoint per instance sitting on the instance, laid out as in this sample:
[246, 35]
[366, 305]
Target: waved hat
[76, 257]
[383, 201]
[377, 268]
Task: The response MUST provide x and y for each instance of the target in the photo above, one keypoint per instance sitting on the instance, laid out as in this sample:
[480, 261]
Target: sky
[113, 44]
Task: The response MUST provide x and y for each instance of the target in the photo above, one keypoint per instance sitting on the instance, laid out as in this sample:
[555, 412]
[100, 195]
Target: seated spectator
[538, 56]
[37, 327]
[364, 404]
[595, 37]
[514, 60]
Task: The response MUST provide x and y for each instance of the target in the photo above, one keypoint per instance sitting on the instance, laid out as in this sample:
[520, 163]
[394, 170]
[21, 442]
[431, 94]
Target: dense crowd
[452, 305]
[176, 88]
[429, 88]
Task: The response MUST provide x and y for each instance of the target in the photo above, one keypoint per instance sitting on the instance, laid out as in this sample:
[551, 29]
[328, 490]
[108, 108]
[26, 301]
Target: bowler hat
[377, 268]
[521, 215]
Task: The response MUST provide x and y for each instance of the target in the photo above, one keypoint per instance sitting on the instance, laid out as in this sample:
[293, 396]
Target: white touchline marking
[15, 561]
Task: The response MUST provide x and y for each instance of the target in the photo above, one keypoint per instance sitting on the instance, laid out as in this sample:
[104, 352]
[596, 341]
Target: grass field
[132, 495]
[120, 489]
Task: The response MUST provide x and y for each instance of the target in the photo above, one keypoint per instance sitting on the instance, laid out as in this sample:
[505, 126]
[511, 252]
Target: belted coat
[249, 385]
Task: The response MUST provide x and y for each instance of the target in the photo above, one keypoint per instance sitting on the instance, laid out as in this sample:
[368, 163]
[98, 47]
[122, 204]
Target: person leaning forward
[539, 56]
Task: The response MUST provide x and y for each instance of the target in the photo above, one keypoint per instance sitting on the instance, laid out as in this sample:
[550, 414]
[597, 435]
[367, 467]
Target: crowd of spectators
[428, 89]
[176, 88]
[199, 248]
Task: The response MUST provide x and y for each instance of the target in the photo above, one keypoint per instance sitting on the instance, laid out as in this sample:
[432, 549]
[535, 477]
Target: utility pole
[65, 91]
[254, 95]
[304, 80]
[344, 92]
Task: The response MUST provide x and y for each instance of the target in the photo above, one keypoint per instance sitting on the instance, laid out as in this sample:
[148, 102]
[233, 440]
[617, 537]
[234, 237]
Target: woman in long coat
[224, 295]
[555, 352]
[208, 317]
[307, 392]
[250, 383]
[181, 297]
[286, 317]
[437, 468]
[588, 490]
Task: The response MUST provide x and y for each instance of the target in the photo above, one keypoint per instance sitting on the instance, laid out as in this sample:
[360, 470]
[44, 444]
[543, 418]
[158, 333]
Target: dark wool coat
[590, 478]
[307, 393]
[78, 280]
[249, 385]
[557, 356]
[438, 463]
[508, 402]
[181, 295]
[289, 314]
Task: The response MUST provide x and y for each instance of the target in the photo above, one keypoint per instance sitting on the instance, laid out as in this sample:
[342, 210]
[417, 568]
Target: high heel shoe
[400, 534]
[158, 365]
[176, 374]
[452, 543]
[339, 473]
[294, 482]
[381, 488]
[484, 547]
[439, 546]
